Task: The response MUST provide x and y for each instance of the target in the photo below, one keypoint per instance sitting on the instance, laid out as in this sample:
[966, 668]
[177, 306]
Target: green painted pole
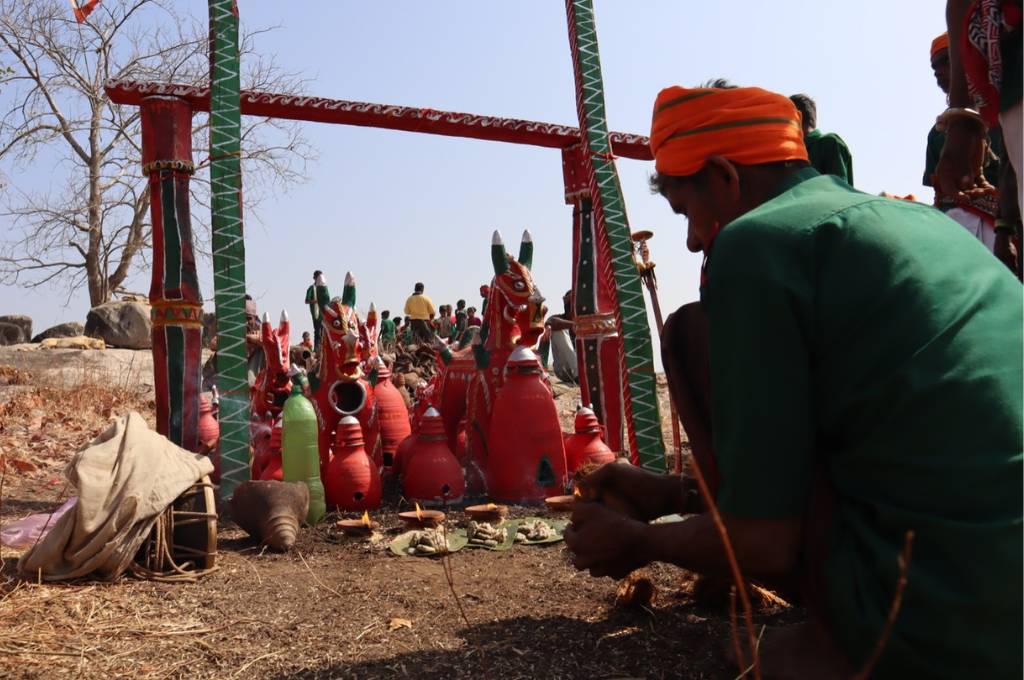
[228, 244]
[643, 419]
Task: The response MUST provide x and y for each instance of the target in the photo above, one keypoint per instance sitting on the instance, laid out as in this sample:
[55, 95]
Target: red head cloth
[746, 125]
[939, 44]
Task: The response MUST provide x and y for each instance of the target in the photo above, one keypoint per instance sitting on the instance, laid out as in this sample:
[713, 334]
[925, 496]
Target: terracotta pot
[402, 454]
[356, 527]
[355, 397]
[560, 504]
[272, 464]
[424, 519]
[259, 434]
[587, 445]
[526, 455]
[460, 442]
[273, 470]
[392, 416]
[209, 434]
[352, 480]
[405, 446]
[489, 512]
[431, 474]
[209, 428]
[369, 422]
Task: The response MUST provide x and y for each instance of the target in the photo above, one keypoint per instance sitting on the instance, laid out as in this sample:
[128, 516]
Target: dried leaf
[396, 623]
[23, 465]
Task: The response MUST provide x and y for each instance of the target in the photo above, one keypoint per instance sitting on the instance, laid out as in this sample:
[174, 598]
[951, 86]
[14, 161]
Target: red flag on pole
[83, 10]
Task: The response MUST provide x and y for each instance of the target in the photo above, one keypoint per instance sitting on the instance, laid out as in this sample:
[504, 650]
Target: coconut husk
[271, 511]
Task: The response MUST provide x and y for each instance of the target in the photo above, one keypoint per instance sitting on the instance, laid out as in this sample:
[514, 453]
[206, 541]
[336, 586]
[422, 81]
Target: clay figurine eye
[519, 285]
[337, 323]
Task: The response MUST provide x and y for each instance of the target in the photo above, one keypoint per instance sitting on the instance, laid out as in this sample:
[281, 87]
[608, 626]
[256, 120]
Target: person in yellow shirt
[419, 310]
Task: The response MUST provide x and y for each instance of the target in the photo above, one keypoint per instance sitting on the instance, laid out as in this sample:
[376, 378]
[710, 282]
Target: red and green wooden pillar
[611, 229]
[598, 344]
[177, 304]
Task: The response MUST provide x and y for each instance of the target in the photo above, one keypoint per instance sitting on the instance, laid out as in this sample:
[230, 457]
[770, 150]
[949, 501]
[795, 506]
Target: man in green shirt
[865, 373]
[314, 310]
[387, 331]
[827, 153]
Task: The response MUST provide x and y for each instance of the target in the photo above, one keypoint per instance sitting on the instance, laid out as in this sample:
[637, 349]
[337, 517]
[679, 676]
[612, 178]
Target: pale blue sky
[397, 207]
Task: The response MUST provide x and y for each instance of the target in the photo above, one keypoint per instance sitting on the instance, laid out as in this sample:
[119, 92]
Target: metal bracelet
[952, 113]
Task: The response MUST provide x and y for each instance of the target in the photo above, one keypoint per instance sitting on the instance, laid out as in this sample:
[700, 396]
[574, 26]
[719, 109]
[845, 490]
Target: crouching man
[852, 372]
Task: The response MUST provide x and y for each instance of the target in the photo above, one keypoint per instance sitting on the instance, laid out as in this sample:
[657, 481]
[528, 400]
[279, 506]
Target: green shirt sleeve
[760, 375]
[846, 163]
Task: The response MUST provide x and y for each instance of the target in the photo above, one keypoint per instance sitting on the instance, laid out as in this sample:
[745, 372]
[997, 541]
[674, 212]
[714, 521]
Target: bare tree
[95, 229]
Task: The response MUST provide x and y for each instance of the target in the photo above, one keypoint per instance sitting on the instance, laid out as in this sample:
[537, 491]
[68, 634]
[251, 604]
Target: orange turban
[747, 125]
[939, 44]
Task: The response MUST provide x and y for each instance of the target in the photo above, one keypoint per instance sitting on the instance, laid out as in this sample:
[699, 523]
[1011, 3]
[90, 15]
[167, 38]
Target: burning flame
[576, 492]
[419, 513]
[491, 506]
[366, 518]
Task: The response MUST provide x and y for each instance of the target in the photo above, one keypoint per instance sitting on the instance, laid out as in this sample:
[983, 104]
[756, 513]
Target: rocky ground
[70, 368]
[334, 607]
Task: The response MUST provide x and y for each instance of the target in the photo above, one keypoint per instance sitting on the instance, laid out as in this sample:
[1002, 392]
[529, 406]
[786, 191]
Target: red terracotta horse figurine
[337, 383]
[465, 388]
[270, 390]
[273, 384]
[370, 332]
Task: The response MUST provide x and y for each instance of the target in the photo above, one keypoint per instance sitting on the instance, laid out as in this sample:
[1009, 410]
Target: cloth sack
[124, 479]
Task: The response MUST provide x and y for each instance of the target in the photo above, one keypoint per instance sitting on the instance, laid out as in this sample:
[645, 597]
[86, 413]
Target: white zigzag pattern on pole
[632, 311]
[229, 288]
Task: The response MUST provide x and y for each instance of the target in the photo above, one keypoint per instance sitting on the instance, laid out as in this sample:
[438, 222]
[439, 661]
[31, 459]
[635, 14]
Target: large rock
[21, 321]
[121, 324]
[71, 329]
[11, 334]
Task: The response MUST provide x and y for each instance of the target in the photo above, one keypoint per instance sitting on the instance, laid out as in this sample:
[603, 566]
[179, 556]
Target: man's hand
[559, 323]
[633, 491]
[605, 542]
[960, 169]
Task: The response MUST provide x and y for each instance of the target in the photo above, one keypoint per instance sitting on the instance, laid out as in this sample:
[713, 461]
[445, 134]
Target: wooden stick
[317, 578]
[734, 566]
[903, 561]
[734, 631]
[677, 449]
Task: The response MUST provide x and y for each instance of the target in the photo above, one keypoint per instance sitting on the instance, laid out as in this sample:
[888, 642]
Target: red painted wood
[174, 291]
[387, 116]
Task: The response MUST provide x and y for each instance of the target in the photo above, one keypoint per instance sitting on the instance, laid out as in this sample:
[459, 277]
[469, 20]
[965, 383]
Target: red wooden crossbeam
[387, 116]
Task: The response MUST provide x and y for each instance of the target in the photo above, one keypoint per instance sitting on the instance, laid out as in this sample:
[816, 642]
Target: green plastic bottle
[300, 453]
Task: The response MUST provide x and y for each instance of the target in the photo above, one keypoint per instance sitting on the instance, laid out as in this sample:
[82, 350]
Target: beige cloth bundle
[124, 478]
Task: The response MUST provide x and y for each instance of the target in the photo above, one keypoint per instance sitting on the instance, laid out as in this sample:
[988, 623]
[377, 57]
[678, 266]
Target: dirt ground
[334, 607]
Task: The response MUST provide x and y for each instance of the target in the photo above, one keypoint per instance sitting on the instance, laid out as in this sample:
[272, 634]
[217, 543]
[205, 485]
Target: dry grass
[42, 425]
[9, 375]
[325, 609]
[118, 629]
